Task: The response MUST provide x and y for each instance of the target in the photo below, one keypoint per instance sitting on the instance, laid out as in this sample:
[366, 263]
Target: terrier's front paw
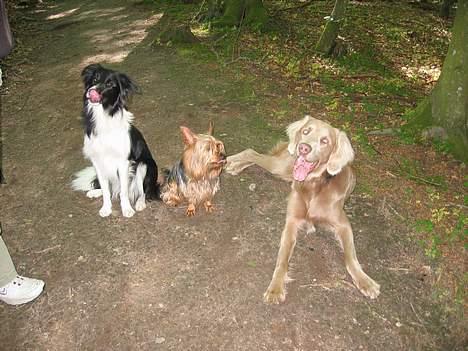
[209, 207]
[172, 201]
[190, 210]
[105, 211]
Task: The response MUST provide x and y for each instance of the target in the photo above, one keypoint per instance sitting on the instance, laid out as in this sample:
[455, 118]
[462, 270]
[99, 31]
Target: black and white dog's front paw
[128, 211]
[105, 211]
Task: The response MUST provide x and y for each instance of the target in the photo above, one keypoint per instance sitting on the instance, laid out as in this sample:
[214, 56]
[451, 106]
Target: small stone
[160, 340]
[252, 187]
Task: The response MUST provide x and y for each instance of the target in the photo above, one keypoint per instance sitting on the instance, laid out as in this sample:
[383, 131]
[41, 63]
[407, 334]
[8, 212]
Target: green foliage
[424, 225]
[460, 230]
[195, 52]
[396, 33]
[252, 263]
[437, 234]
[364, 188]
[432, 242]
[391, 87]
[410, 167]
[407, 135]
[360, 136]
[413, 170]
[433, 250]
[443, 146]
[364, 60]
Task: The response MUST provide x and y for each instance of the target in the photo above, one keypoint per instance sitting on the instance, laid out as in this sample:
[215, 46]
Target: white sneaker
[21, 290]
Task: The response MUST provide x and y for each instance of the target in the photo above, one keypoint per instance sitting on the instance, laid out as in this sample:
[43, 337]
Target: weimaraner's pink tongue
[302, 168]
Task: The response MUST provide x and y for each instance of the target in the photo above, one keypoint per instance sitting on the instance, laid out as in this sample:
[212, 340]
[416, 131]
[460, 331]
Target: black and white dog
[122, 162]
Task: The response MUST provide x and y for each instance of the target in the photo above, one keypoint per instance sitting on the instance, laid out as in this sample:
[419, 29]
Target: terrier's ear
[189, 137]
[211, 128]
[292, 130]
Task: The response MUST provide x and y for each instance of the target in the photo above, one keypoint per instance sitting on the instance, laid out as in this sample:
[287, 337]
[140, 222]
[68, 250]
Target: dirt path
[160, 281]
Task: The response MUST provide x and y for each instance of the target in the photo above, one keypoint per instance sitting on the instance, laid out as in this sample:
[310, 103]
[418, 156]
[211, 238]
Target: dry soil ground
[161, 281]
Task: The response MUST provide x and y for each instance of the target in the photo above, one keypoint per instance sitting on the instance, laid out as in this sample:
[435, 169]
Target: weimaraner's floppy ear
[292, 130]
[342, 155]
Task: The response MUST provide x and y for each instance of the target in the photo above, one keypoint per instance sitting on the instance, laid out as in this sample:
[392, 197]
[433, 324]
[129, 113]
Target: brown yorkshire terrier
[195, 178]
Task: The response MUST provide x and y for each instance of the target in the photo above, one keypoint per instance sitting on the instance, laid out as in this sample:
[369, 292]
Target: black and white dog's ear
[127, 87]
[88, 73]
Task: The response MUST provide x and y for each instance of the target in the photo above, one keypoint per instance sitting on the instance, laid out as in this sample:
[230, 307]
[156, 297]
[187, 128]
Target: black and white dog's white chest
[109, 137]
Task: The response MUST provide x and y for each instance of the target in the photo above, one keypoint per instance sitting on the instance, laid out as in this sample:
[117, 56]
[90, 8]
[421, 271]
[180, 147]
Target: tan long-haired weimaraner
[317, 161]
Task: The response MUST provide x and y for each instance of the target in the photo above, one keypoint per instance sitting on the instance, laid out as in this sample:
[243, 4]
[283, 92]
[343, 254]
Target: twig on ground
[357, 76]
[294, 7]
[220, 38]
[236, 59]
[374, 148]
[199, 11]
[214, 52]
[380, 316]
[345, 282]
[315, 285]
[384, 132]
[395, 211]
[422, 180]
[399, 269]
[451, 204]
[417, 316]
[237, 36]
[416, 178]
[48, 249]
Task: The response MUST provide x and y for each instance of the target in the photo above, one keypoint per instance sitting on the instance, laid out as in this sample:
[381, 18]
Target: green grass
[364, 188]
[360, 136]
[362, 61]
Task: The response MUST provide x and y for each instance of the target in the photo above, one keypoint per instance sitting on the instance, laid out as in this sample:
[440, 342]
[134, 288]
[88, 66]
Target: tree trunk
[445, 8]
[249, 12]
[327, 41]
[447, 105]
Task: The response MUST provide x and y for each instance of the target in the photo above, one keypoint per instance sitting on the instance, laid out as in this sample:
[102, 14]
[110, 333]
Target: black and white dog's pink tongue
[302, 168]
[94, 96]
